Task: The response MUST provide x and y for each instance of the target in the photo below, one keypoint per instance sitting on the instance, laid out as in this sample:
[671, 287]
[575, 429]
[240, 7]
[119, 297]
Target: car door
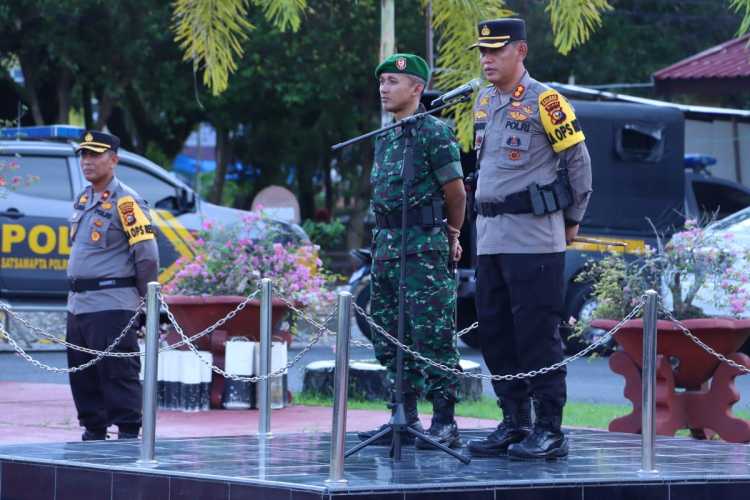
[173, 238]
[34, 237]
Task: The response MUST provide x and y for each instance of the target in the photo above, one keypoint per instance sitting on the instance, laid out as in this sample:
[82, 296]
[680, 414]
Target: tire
[579, 302]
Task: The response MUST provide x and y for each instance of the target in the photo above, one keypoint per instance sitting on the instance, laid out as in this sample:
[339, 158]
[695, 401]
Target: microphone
[465, 89]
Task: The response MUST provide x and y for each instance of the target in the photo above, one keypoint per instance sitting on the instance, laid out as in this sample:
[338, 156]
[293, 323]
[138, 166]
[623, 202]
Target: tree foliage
[211, 32]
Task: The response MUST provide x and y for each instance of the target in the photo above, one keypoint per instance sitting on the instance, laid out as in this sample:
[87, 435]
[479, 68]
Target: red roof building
[720, 69]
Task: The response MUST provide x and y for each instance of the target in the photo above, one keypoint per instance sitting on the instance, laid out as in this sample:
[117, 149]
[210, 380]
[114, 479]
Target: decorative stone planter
[196, 313]
[694, 389]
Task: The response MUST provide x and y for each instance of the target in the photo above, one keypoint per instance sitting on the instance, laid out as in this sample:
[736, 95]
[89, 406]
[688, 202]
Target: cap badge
[88, 137]
[485, 31]
[401, 63]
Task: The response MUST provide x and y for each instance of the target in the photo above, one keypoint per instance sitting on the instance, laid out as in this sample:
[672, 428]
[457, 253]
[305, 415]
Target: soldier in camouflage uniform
[534, 185]
[436, 192]
[112, 259]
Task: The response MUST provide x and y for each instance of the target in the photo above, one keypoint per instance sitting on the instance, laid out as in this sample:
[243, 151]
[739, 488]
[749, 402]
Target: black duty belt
[535, 199]
[425, 216]
[92, 284]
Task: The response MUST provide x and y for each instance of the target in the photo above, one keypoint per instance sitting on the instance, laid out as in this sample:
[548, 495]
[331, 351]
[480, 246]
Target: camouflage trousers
[429, 321]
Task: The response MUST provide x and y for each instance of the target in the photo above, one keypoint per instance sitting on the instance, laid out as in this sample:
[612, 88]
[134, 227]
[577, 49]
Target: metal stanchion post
[264, 424]
[150, 373]
[340, 389]
[648, 376]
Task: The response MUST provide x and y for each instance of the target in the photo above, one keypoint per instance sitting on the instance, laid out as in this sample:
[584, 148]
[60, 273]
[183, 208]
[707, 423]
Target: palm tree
[211, 33]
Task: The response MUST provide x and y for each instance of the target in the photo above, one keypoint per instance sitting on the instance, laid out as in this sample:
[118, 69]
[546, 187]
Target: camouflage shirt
[436, 162]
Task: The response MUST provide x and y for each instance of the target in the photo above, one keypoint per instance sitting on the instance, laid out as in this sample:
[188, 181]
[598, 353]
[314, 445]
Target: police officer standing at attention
[533, 189]
[112, 259]
[435, 193]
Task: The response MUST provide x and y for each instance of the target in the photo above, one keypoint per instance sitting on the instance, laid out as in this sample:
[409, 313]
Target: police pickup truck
[34, 237]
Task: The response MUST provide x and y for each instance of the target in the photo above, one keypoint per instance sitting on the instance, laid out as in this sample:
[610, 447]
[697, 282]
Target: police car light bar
[42, 132]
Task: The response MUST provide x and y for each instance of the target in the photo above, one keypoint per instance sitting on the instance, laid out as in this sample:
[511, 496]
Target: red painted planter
[694, 365]
[704, 408]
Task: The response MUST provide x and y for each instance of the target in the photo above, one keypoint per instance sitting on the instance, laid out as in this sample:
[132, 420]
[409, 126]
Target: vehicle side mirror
[186, 200]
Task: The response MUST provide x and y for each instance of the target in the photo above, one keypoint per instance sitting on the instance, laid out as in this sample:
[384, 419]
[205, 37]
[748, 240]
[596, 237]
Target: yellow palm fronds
[456, 21]
[211, 32]
[573, 21]
[738, 6]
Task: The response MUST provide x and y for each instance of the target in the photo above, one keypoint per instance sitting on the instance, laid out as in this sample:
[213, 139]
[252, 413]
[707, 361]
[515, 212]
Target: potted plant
[228, 264]
[703, 283]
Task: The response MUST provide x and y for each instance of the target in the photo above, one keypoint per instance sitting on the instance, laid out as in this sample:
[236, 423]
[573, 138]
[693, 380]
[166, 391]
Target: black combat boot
[94, 435]
[128, 431]
[412, 420]
[546, 440]
[514, 428]
[443, 428]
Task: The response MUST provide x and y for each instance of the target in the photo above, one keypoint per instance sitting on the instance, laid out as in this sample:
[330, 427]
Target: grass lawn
[595, 416]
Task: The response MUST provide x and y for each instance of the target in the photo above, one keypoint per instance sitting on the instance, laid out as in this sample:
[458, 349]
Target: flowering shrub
[10, 179]
[231, 260]
[699, 273]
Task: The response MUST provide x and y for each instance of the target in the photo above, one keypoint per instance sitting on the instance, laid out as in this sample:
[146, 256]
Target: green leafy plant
[698, 268]
[232, 260]
[327, 235]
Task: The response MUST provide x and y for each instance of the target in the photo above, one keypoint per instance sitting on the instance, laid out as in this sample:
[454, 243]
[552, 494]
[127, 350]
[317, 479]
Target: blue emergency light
[698, 161]
[42, 132]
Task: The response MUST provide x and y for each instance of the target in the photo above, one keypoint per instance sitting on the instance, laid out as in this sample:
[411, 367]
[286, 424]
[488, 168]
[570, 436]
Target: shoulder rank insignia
[83, 199]
[136, 225]
[559, 121]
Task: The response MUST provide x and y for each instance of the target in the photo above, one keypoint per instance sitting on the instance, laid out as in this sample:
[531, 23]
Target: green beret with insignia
[409, 64]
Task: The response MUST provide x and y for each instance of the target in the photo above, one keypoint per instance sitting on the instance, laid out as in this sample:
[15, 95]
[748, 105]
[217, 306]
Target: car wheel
[580, 304]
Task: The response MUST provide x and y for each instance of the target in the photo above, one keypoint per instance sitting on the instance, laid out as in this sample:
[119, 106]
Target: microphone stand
[397, 423]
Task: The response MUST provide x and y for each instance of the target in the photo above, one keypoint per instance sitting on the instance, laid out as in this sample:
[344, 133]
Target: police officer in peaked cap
[113, 257]
[533, 188]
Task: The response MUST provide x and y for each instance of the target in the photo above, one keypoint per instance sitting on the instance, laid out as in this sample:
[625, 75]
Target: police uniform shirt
[518, 137]
[103, 247]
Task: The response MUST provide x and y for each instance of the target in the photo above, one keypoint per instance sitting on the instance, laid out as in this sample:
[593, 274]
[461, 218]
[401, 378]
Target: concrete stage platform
[601, 465]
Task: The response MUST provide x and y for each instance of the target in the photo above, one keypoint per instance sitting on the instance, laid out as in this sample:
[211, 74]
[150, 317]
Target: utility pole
[387, 39]
[429, 42]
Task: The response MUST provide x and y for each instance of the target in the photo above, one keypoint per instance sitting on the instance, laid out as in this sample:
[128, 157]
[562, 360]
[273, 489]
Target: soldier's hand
[456, 250]
[570, 233]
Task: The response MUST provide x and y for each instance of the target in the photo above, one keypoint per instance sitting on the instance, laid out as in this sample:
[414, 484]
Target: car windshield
[736, 223]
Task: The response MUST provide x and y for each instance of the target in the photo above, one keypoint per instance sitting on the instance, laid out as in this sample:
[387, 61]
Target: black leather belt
[535, 199]
[425, 216]
[78, 285]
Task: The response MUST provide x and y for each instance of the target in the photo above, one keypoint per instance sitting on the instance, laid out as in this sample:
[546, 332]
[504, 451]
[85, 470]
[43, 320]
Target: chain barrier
[101, 354]
[322, 330]
[58, 340]
[517, 376]
[700, 343]
[94, 352]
